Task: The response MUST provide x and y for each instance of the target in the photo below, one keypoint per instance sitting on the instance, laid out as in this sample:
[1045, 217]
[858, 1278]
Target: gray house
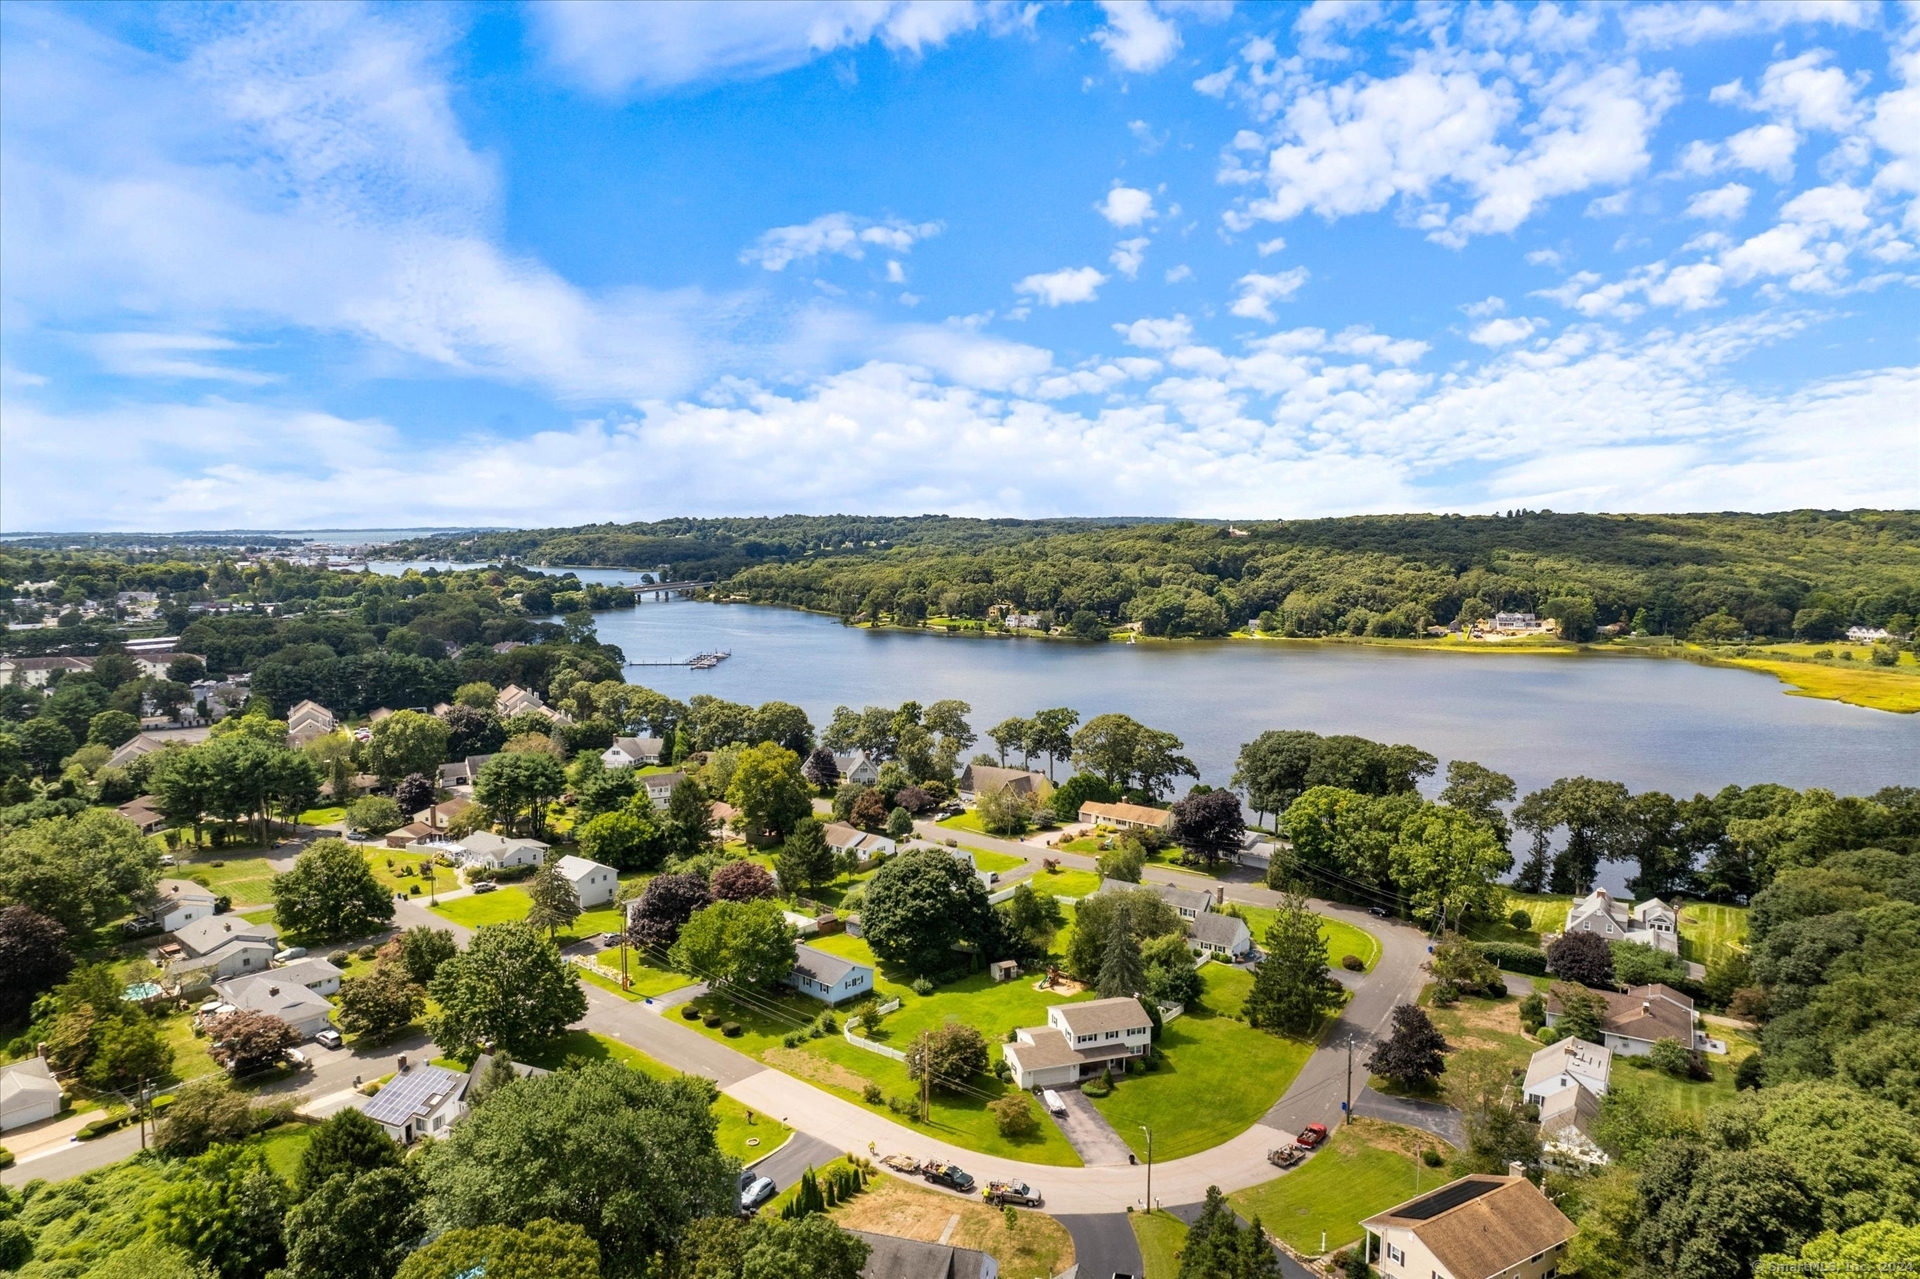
[828, 977]
[1223, 935]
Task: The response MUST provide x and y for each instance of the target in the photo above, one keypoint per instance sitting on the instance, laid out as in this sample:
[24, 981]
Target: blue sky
[511, 265]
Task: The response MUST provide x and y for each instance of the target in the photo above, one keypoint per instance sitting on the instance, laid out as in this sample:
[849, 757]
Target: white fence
[1171, 1012]
[859, 1042]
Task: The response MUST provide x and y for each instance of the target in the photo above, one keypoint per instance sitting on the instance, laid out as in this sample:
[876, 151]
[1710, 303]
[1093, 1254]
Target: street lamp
[1149, 1132]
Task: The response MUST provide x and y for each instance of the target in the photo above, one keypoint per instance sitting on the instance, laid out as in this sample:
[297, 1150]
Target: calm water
[1653, 724]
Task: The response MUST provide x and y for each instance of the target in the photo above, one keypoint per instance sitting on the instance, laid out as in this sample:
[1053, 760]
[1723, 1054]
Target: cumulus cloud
[1126, 206]
[1128, 255]
[1727, 203]
[1502, 332]
[1135, 37]
[1156, 335]
[834, 234]
[1259, 292]
[1665, 25]
[1063, 287]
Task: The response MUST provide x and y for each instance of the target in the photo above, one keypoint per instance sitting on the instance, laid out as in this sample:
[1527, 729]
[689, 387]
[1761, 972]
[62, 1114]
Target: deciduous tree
[957, 1052]
[508, 988]
[330, 893]
[1583, 957]
[33, 958]
[769, 792]
[737, 944]
[1413, 1054]
[1209, 826]
[246, 1041]
[406, 742]
[380, 1004]
[920, 906]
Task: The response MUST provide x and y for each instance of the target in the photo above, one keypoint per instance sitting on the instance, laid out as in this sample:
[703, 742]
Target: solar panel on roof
[1445, 1198]
[409, 1094]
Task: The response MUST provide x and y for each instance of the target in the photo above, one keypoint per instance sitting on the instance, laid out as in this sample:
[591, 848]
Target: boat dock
[699, 661]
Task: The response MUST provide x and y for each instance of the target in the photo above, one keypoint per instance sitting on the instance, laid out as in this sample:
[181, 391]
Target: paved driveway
[1088, 1131]
[1103, 1245]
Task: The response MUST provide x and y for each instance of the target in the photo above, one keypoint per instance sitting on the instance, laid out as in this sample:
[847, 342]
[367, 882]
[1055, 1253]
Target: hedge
[1514, 957]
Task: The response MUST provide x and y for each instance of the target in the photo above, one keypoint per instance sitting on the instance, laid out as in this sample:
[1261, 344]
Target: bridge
[664, 590]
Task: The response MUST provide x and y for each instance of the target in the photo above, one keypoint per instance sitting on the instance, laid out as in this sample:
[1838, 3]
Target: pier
[699, 661]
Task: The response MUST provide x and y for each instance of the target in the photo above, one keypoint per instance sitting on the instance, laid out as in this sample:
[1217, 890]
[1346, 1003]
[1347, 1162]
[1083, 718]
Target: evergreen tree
[1122, 971]
[555, 903]
[804, 861]
[1213, 1241]
[1291, 988]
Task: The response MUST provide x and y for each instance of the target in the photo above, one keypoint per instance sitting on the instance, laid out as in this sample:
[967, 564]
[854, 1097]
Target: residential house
[178, 902]
[632, 752]
[659, 786]
[593, 883]
[146, 743]
[1225, 935]
[1867, 634]
[891, 1257]
[1138, 816]
[1637, 1020]
[1022, 621]
[307, 721]
[444, 814]
[479, 1071]
[842, 838]
[1188, 903]
[1078, 1042]
[413, 832]
[979, 780]
[1651, 922]
[514, 700]
[462, 772]
[828, 977]
[156, 664]
[855, 766]
[305, 1010]
[38, 672]
[987, 878]
[216, 948]
[28, 1094]
[484, 848]
[422, 1101]
[142, 813]
[1570, 1063]
[315, 973]
[1478, 1227]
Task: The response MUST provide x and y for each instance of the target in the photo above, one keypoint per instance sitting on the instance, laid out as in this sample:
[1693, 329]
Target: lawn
[247, 880]
[645, 979]
[998, 863]
[499, 907]
[1161, 1236]
[260, 915]
[283, 1145]
[322, 816]
[1709, 930]
[1342, 938]
[1483, 1033]
[1066, 883]
[1037, 1247]
[1693, 1096]
[1548, 912]
[1217, 1076]
[1367, 1166]
[968, 820]
[190, 1056]
[399, 872]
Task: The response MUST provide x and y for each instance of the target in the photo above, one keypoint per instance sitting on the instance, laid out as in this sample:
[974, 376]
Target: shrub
[1353, 963]
[338, 958]
[791, 1040]
[710, 1020]
[921, 986]
[1549, 1035]
[1013, 1116]
[1101, 1086]
[731, 1030]
[1520, 921]
[1670, 1057]
[1432, 1158]
[1514, 957]
[690, 1012]
[367, 952]
[1533, 1013]
[871, 1094]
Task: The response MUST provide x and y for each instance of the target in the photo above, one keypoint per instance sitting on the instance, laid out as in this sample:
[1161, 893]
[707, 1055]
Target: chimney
[1220, 895]
[1515, 1168]
[273, 991]
[1646, 1006]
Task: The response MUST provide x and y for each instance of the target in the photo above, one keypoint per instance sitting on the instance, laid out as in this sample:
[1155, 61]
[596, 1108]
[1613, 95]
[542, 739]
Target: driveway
[1442, 1121]
[1088, 1131]
[1103, 1245]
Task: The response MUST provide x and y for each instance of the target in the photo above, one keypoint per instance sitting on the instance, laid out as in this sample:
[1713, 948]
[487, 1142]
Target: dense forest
[1363, 575]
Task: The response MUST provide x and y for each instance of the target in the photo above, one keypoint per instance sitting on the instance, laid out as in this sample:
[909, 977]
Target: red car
[1312, 1135]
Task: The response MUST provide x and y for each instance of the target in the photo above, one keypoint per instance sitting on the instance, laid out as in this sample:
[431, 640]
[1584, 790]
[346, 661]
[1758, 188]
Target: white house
[28, 1094]
[513, 700]
[854, 766]
[659, 786]
[1474, 1228]
[178, 902]
[37, 672]
[1078, 1042]
[632, 752]
[217, 948]
[462, 772]
[842, 838]
[1224, 935]
[1565, 1082]
[1188, 903]
[1570, 1063]
[1651, 922]
[1867, 634]
[291, 1002]
[316, 974]
[1636, 1021]
[828, 977]
[307, 721]
[423, 1101]
[593, 883]
[484, 848]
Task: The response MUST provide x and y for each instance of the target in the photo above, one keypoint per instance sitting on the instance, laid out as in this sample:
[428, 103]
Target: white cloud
[896, 274]
[1128, 255]
[1215, 85]
[1156, 335]
[1320, 25]
[1810, 93]
[1610, 206]
[1135, 37]
[1270, 247]
[1765, 148]
[1664, 25]
[1179, 273]
[1259, 292]
[1503, 332]
[1062, 287]
[1126, 206]
[170, 355]
[1727, 203]
[834, 234]
[1482, 309]
[611, 48]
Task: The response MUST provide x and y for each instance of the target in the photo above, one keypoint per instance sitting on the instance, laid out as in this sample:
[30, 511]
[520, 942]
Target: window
[1395, 1255]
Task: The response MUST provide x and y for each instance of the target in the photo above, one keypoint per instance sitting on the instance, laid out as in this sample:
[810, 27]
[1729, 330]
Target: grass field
[1161, 1236]
[1548, 912]
[507, 904]
[1365, 1167]
[968, 820]
[1037, 1247]
[322, 816]
[247, 880]
[1708, 930]
[190, 1057]
[283, 1145]
[259, 915]
[1217, 1076]
[1857, 682]
[400, 872]
[646, 978]
[1066, 883]
[1342, 938]
[999, 863]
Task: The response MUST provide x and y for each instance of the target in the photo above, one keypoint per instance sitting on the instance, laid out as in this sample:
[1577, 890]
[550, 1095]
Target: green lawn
[1091, 845]
[498, 907]
[399, 872]
[1708, 930]
[322, 816]
[247, 880]
[190, 1056]
[1693, 1096]
[1161, 1236]
[993, 1008]
[1217, 1076]
[968, 820]
[1342, 938]
[645, 979]
[999, 863]
[1367, 1166]
[261, 915]
[1066, 883]
[283, 1145]
[1549, 915]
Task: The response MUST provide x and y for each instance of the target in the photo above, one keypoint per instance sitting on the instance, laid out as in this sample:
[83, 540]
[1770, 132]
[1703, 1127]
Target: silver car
[758, 1192]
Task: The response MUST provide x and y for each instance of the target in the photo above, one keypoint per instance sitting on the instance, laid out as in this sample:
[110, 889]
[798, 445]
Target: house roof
[486, 842]
[31, 1077]
[639, 746]
[203, 936]
[174, 892]
[1194, 899]
[847, 761]
[841, 835]
[1049, 1048]
[1480, 1225]
[985, 779]
[521, 1069]
[48, 663]
[141, 810]
[891, 1257]
[823, 966]
[1101, 1015]
[271, 993]
[1136, 813]
[414, 1094]
[1644, 1012]
[148, 742]
[306, 972]
[1570, 1107]
[578, 868]
[444, 811]
[1218, 930]
[655, 781]
[1570, 1056]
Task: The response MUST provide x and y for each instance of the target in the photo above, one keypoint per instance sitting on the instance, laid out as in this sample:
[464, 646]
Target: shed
[28, 1094]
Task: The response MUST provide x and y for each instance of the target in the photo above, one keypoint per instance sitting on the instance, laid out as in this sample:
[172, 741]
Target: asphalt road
[1103, 1245]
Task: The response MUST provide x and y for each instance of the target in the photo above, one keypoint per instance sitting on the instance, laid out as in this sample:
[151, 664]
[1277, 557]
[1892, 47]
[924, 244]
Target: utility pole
[926, 1075]
[1346, 1111]
[140, 1102]
[1149, 1132]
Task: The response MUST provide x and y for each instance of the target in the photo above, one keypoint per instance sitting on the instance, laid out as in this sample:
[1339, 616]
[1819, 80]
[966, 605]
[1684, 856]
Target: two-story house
[1474, 1228]
[1078, 1042]
[1651, 922]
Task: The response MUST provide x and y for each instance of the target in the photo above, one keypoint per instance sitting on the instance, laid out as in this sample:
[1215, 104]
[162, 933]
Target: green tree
[810, 1248]
[543, 1249]
[736, 944]
[517, 785]
[406, 742]
[375, 815]
[1291, 989]
[555, 903]
[330, 893]
[346, 1144]
[1010, 735]
[226, 1211]
[508, 988]
[1713, 1214]
[1864, 1249]
[1581, 1011]
[920, 906]
[1081, 788]
[804, 862]
[957, 1052]
[1209, 827]
[1122, 971]
[628, 1158]
[380, 1004]
[422, 949]
[1414, 1054]
[1479, 792]
[1005, 812]
[478, 694]
[128, 1050]
[355, 1227]
[1448, 865]
[630, 839]
[206, 1112]
[1049, 733]
[689, 824]
[1596, 817]
[33, 957]
[81, 871]
[1171, 977]
[769, 792]
[1638, 964]
[112, 728]
[1147, 917]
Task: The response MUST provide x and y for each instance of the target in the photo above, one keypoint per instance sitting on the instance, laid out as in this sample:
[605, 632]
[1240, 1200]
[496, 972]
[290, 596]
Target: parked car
[166, 859]
[757, 1192]
[1051, 1100]
[140, 925]
[290, 954]
[329, 1038]
[1002, 1193]
[297, 1059]
[1312, 1135]
[1378, 912]
[1287, 1156]
[949, 1175]
[485, 886]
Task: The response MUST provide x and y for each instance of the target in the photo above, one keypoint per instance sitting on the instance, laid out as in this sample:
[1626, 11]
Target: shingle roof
[413, 1094]
[1570, 1056]
[1139, 813]
[984, 779]
[891, 1257]
[306, 972]
[215, 931]
[1217, 930]
[578, 868]
[172, 892]
[1479, 1226]
[823, 966]
[1101, 1015]
[1049, 1048]
[1646, 1012]
[269, 993]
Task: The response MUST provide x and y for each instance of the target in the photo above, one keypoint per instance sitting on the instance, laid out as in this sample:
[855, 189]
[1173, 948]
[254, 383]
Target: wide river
[1654, 724]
